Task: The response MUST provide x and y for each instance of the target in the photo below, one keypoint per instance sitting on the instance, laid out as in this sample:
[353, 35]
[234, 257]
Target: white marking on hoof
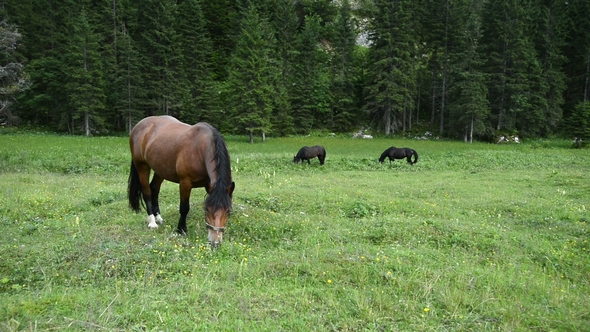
[159, 219]
[151, 220]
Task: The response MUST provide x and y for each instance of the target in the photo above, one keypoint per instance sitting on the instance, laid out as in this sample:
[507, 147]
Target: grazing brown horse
[307, 153]
[192, 156]
[399, 153]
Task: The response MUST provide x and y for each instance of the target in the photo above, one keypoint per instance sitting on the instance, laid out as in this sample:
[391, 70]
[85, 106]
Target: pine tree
[222, 22]
[578, 125]
[468, 104]
[197, 51]
[161, 59]
[517, 91]
[13, 78]
[251, 76]
[85, 77]
[311, 88]
[43, 27]
[284, 23]
[129, 80]
[577, 50]
[551, 44]
[344, 111]
[390, 78]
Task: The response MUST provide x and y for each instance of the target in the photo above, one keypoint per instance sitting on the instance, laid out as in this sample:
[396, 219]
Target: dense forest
[463, 69]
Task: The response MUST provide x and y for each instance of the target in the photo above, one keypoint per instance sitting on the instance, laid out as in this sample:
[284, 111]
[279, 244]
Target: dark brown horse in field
[192, 156]
[307, 153]
[399, 153]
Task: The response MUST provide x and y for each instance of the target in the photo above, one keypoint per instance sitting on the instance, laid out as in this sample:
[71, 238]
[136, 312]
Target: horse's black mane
[218, 197]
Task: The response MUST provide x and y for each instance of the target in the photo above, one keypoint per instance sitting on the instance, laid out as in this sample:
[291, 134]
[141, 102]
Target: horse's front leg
[185, 194]
[155, 188]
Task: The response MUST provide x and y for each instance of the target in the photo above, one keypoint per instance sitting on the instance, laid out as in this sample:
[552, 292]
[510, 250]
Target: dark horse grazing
[192, 156]
[399, 153]
[307, 153]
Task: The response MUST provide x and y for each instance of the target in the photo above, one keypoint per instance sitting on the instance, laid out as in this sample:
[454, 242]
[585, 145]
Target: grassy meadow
[474, 237]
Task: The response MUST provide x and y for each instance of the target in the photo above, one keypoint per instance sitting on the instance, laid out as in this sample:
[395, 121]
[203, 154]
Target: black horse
[307, 153]
[399, 153]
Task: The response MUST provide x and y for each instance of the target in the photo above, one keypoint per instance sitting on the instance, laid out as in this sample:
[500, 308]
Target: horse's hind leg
[155, 188]
[144, 178]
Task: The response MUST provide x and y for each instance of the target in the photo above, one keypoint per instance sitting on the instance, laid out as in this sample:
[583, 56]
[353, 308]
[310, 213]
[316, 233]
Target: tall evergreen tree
[577, 50]
[517, 91]
[43, 27]
[311, 87]
[85, 78]
[550, 47]
[222, 21]
[252, 75]
[389, 75]
[468, 104]
[344, 111]
[285, 24]
[13, 78]
[161, 59]
[197, 51]
[129, 80]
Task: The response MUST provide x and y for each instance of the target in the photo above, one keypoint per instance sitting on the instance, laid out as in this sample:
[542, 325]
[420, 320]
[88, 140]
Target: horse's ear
[231, 187]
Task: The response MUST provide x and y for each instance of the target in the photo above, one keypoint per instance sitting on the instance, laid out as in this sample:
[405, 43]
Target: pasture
[474, 237]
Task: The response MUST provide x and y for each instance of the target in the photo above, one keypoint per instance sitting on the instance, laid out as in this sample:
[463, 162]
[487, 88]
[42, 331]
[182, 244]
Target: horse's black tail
[415, 156]
[134, 189]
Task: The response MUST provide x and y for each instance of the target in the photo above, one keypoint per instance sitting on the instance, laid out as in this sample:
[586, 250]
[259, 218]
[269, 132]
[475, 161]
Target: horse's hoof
[181, 231]
[152, 222]
[159, 220]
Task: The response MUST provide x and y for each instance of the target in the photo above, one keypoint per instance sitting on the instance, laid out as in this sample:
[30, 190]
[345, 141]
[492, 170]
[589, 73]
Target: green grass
[475, 237]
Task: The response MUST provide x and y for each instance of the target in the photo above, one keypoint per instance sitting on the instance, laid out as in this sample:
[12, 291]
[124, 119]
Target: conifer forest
[461, 69]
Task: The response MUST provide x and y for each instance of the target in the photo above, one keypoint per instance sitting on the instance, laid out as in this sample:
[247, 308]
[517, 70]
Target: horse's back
[319, 150]
[170, 147]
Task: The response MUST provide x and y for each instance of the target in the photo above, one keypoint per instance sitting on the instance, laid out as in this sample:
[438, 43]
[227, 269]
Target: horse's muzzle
[215, 235]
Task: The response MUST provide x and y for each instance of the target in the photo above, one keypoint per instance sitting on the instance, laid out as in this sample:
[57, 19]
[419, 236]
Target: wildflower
[426, 309]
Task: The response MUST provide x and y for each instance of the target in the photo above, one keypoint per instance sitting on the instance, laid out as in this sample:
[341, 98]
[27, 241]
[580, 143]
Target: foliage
[13, 79]
[252, 75]
[466, 67]
[579, 125]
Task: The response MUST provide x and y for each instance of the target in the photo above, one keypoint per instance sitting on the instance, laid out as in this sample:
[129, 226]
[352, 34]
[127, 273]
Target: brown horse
[192, 156]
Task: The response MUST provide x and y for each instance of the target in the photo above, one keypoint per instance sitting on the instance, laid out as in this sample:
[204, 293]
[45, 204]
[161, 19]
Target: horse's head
[217, 215]
[296, 159]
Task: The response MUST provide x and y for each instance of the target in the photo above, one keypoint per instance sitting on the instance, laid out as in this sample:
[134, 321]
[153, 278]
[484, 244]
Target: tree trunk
[86, 124]
[433, 98]
[251, 137]
[263, 137]
[444, 82]
[387, 120]
[418, 106]
[587, 75]
[471, 130]
[115, 29]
